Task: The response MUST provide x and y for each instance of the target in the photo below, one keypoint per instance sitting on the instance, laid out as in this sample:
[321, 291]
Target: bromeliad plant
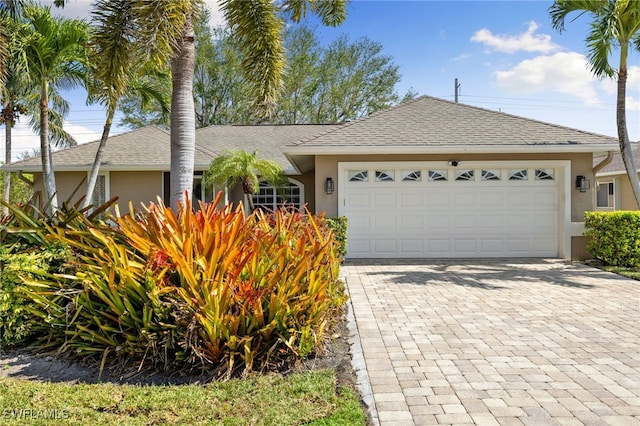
[261, 288]
[210, 288]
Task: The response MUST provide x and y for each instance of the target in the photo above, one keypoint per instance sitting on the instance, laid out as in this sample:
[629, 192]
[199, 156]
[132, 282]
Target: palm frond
[259, 29]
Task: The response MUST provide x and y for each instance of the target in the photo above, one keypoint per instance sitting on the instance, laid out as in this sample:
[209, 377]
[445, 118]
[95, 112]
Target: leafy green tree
[233, 167]
[222, 96]
[56, 57]
[616, 24]
[20, 190]
[303, 68]
[347, 81]
[308, 95]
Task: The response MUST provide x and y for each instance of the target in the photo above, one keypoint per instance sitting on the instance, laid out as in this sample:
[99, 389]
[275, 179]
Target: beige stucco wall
[137, 187]
[627, 199]
[66, 184]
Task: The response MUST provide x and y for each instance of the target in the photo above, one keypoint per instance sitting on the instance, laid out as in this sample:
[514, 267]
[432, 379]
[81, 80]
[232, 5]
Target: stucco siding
[137, 187]
[627, 199]
[66, 184]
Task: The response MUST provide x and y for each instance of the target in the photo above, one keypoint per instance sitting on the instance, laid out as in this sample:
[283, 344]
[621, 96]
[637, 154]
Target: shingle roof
[428, 124]
[616, 165]
[147, 148]
[268, 140]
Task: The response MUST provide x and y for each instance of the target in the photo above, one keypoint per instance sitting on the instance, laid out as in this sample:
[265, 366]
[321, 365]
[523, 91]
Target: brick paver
[522, 342]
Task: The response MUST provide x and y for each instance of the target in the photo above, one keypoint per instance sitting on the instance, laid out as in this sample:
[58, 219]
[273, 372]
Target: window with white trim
[99, 196]
[605, 195]
[271, 198]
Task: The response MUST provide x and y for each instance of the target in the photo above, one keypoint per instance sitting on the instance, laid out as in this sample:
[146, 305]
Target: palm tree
[233, 167]
[116, 69]
[616, 23]
[56, 57]
[165, 28]
[10, 100]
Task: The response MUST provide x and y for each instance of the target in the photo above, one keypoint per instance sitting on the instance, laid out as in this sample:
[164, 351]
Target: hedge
[614, 237]
[339, 227]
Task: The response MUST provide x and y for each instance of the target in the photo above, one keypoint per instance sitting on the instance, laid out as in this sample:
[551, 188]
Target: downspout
[603, 163]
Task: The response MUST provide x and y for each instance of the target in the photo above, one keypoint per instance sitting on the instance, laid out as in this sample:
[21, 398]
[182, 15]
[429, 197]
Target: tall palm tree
[56, 57]
[165, 28]
[10, 105]
[240, 167]
[116, 69]
[616, 23]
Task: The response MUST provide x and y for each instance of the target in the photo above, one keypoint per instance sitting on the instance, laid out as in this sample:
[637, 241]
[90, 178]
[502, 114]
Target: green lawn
[624, 271]
[312, 398]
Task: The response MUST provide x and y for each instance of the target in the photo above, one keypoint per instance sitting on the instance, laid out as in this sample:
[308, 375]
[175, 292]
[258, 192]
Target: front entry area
[453, 209]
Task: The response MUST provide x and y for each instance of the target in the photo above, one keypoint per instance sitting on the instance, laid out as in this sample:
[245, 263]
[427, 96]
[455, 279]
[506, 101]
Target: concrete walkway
[501, 342]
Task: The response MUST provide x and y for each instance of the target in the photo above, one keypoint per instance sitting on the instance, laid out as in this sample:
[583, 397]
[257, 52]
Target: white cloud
[563, 72]
[527, 41]
[82, 9]
[23, 139]
[632, 104]
[461, 57]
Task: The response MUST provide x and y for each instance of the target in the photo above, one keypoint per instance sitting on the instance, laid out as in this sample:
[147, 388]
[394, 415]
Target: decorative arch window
[385, 176]
[411, 175]
[358, 176]
[544, 174]
[437, 175]
[491, 174]
[518, 174]
[271, 198]
[464, 175]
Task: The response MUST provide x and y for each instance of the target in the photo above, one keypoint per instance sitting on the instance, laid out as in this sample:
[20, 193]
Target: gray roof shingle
[149, 148]
[268, 140]
[428, 124]
[616, 165]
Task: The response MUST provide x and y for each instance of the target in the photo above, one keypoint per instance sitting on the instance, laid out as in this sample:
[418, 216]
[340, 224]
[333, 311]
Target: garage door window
[411, 175]
[465, 175]
[491, 175]
[385, 176]
[518, 174]
[358, 176]
[544, 174]
[438, 175]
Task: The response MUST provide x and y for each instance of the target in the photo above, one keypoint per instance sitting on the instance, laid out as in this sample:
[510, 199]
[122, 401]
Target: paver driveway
[534, 342]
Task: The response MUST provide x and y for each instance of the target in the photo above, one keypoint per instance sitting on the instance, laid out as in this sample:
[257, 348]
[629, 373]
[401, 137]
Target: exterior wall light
[328, 186]
[582, 183]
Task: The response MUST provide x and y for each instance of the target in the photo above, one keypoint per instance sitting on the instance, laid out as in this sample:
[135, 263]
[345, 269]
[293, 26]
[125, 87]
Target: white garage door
[438, 210]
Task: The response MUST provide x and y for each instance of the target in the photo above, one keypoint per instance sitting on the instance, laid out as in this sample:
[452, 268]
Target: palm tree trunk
[97, 161]
[8, 123]
[623, 134]
[48, 178]
[183, 125]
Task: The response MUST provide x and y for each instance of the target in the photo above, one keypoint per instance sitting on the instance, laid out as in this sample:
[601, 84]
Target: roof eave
[291, 151]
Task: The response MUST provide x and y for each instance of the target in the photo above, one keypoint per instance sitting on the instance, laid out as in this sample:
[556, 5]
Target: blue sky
[505, 55]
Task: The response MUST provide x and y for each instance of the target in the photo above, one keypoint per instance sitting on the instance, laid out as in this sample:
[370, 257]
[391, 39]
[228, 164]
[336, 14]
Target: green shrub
[17, 322]
[339, 227]
[614, 237]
